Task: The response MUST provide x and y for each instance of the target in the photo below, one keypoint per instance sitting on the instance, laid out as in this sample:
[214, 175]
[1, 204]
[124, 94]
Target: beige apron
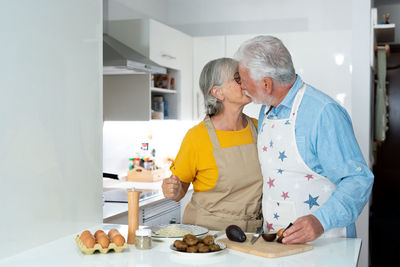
[236, 197]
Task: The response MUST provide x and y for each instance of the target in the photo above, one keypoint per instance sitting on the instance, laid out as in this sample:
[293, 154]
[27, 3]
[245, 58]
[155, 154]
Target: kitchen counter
[341, 252]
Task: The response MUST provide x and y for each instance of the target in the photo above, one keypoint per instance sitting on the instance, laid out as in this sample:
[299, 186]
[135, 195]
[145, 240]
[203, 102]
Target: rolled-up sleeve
[341, 161]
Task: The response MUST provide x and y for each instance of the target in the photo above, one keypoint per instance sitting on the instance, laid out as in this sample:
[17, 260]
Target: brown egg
[112, 233]
[89, 241]
[85, 234]
[99, 233]
[118, 240]
[103, 241]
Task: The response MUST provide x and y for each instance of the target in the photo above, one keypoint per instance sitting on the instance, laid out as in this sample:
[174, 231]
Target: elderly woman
[219, 157]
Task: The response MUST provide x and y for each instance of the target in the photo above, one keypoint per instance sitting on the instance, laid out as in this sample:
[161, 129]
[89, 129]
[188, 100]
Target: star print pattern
[312, 201]
[287, 178]
[269, 226]
[271, 182]
[282, 156]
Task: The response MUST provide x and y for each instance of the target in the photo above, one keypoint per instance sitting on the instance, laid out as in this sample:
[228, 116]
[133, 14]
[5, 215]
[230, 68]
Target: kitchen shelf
[384, 32]
[384, 26]
[163, 91]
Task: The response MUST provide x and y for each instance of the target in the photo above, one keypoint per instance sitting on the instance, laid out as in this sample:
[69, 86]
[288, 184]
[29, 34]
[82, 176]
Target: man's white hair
[266, 56]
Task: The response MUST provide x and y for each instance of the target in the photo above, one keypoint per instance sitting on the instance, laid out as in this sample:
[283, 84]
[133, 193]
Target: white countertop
[341, 252]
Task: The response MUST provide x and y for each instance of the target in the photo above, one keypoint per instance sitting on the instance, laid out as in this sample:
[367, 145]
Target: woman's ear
[217, 93]
[267, 85]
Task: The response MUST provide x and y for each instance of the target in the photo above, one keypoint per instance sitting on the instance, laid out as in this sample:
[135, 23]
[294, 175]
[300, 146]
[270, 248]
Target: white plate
[196, 230]
[200, 255]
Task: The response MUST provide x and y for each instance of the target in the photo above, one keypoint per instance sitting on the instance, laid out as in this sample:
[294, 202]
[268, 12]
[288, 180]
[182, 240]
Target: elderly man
[314, 173]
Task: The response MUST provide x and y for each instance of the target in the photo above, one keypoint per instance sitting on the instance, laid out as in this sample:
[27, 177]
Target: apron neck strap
[213, 135]
[297, 101]
[211, 132]
[253, 129]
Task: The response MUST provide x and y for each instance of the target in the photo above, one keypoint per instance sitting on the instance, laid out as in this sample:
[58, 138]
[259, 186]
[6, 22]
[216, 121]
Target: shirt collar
[289, 98]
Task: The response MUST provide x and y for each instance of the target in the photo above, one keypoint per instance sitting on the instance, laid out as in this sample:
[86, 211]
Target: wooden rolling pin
[133, 214]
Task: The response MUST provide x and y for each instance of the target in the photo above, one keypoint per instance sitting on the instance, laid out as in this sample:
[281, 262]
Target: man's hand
[172, 188]
[304, 229]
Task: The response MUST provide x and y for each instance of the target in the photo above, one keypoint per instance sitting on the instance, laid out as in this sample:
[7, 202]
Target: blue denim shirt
[326, 142]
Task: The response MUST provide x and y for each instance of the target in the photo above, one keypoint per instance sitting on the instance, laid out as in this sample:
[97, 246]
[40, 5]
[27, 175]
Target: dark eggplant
[234, 233]
[269, 237]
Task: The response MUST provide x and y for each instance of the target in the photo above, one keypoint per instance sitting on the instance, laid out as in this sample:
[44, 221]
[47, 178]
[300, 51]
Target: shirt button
[359, 169]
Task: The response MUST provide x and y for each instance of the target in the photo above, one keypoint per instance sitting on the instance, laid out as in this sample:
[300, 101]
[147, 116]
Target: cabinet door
[174, 49]
[165, 44]
[204, 50]
[185, 55]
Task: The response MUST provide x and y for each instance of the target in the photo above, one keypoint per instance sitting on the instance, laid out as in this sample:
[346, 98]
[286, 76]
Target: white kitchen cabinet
[161, 43]
[167, 47]
[204, 50]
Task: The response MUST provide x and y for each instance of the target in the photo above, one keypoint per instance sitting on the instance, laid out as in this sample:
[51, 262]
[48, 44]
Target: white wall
[50, 119]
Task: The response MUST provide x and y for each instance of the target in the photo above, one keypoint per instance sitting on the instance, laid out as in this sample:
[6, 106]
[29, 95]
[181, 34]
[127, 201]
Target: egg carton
[98, 247]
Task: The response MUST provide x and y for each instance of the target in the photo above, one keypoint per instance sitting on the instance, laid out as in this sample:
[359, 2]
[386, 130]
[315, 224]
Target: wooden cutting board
[266, 249]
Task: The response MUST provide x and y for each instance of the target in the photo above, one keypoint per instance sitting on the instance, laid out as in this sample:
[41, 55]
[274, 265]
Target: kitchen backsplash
[122, 140]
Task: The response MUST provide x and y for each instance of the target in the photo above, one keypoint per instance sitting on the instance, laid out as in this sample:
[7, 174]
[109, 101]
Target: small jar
[143, 239]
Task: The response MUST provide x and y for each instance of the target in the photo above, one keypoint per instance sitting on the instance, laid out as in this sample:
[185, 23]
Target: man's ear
[217, 93]
[267, 85]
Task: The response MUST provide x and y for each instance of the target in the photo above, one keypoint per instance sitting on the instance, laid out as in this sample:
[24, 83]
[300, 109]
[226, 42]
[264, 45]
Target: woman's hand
[173, 188]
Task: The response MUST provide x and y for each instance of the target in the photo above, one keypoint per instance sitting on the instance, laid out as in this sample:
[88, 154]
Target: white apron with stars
[290, 189]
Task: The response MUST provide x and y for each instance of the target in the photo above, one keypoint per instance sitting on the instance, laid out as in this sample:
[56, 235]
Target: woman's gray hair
[214, 73]
[266, 56]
